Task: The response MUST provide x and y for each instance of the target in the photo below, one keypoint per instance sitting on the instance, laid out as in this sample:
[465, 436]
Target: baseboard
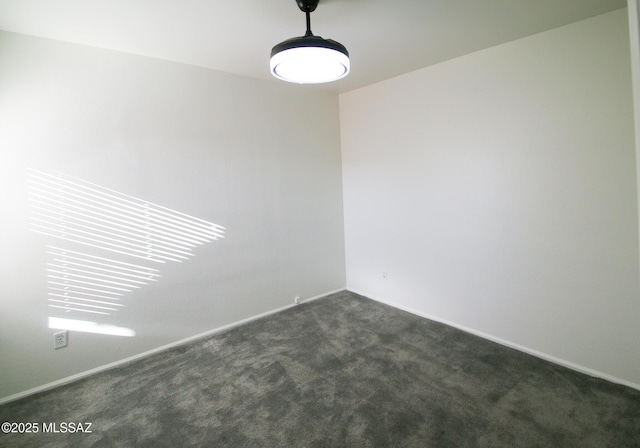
[310, 299]
[154, 351]
[521, 348]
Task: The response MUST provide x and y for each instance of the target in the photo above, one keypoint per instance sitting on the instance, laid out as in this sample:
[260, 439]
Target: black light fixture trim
[310, 41]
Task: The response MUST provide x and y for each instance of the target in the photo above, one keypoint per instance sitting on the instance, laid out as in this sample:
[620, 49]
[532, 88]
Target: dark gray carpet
[342, 371]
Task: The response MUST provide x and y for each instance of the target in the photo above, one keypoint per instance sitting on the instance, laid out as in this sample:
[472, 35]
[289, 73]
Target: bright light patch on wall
[90, 284]
[89, 327]
[81, 212]
[97, 230]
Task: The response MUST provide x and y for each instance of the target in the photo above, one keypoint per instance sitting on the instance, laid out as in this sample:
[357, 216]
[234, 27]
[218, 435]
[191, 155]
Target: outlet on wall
[59, 339]
[385, 276]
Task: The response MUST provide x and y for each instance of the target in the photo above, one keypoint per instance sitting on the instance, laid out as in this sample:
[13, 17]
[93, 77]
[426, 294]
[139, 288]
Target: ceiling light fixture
[309, 59]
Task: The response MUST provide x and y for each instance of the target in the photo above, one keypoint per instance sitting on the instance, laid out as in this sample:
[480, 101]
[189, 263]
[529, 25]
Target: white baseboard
[111, 365]
[310, 299]
[521, 348]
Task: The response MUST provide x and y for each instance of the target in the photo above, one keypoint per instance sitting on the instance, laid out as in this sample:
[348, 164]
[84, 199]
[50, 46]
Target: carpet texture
[342, 371]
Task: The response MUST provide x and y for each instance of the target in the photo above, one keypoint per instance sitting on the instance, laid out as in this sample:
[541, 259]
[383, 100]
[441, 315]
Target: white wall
[633, 7]
[259, 158]
[498, 192]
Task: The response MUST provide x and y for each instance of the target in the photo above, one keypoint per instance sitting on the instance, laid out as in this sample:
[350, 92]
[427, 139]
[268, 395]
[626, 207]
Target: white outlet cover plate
[59, 339]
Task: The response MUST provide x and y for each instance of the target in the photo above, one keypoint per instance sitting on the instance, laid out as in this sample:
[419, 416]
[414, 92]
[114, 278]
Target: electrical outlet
[59, 339]
[385, 276]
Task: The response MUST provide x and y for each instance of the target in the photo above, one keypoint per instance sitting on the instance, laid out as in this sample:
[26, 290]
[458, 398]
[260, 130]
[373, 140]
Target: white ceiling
[385, 38]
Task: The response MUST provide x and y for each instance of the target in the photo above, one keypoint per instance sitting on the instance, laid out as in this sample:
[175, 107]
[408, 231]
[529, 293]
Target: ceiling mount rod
[308, 33]
[307, 7]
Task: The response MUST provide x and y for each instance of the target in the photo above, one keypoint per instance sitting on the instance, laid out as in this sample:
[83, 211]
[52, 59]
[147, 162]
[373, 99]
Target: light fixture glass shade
[309, 60]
